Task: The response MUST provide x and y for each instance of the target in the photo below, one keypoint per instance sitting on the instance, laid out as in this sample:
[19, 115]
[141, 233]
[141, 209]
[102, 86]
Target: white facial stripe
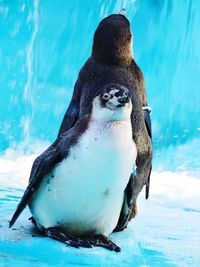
[112, 92]
[114, 99]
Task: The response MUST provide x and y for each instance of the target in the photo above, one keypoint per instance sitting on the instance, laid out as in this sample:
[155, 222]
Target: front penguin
[112, 61]
[77, 187]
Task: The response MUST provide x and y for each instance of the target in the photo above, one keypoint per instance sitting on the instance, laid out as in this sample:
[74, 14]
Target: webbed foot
[67, 239]
[103, 241]
[88, 242]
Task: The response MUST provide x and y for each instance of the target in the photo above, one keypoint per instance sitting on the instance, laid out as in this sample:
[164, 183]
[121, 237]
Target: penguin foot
[67, 239]
[33, 221]
[97, 240]
[103, 241]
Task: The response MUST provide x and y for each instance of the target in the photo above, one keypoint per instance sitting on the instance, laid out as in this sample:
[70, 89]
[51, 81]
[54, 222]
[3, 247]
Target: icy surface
[166, 231]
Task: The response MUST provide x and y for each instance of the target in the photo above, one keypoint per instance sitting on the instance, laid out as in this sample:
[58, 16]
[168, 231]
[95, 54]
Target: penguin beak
[119, 102]
[123, 100]
[122, 12]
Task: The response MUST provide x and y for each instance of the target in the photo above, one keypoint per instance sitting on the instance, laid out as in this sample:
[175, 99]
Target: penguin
[77, 187]
[112, 61]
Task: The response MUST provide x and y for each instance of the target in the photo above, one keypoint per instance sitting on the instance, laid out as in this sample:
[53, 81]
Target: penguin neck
[106, 115]
[110, 55]
[108, 120]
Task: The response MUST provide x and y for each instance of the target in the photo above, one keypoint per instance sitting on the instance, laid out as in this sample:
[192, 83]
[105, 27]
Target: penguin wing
[147, 119]
[129, 209]
[126, 207]
[47, 161]
[140, 84]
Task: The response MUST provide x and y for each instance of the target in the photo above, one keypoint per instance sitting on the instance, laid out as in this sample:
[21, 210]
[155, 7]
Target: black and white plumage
[112, 61]
[77, 186]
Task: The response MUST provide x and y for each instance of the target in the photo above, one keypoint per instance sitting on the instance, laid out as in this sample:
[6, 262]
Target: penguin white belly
[84, 193]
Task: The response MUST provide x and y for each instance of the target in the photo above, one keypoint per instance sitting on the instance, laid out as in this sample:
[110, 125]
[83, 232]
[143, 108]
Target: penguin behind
[77, 186]
[112, 61]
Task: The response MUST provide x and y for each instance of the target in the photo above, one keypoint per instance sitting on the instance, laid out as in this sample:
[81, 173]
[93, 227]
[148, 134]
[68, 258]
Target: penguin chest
[84, 193]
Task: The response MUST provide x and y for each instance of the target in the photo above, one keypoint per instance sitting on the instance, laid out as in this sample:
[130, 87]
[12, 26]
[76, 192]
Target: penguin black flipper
[147, 119]
[40, 167]
[126, 208]
[47, 161]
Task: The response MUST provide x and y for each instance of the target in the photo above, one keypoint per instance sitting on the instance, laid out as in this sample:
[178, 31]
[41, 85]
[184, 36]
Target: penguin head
[114, 103]
[112, 43]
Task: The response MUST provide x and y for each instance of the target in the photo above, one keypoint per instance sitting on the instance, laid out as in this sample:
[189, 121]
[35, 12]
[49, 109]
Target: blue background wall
[43, 44]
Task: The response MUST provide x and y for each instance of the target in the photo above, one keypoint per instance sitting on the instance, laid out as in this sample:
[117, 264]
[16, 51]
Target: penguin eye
[106, 96]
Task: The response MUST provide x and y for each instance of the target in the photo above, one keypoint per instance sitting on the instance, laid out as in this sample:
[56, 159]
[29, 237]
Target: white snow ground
[166, 231]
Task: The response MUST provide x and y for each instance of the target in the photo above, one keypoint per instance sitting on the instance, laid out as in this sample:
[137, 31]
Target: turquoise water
[43, 44]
